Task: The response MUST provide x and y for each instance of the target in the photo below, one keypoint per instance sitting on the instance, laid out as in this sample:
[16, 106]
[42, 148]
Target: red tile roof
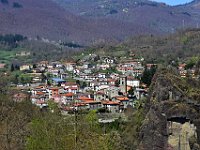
[110, 103]
[84, 98]
[69, 94]
[40, 93]
[120, 98]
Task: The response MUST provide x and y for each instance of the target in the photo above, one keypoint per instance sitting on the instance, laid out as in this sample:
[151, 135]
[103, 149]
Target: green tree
[12, 68]
[131, 91]
[148, 75]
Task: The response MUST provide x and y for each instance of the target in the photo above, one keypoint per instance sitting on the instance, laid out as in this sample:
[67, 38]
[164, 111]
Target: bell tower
[123, 84]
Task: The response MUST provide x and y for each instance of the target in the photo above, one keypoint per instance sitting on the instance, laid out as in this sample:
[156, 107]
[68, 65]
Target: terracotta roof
[40, 93]
[110, 103]
[83, 98]
[122, 98]
[69, 94]
[39, 87]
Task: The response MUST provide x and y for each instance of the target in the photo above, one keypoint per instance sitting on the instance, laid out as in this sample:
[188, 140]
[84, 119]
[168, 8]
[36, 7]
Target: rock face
[154, 131]
[170, 99]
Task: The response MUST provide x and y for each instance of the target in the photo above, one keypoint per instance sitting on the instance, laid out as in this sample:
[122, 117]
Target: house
[70, 87]
[82, 99]
[25, 67]
[39, 100]
[55, 72]
[101, 75]
[111, 82]
[112, 91]
[183, 73]
[103, 66]
[93, 105]
[54, 91]
[140, 93]
[50, 66]
[57, 64]
[108, 60]
[70, 66]
[123, 100]
[23, 53]
[41, 103]
[133, 82]
[80, 106]
[87, 71]
[133, 67]
[43, 64]
[111, 106]
[2, 66]
[64, 75]
[100, 95]
[37, 79]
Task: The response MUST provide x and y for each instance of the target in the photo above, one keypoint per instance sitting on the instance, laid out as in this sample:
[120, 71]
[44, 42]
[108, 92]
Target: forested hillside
[90, 22]
[158, 49]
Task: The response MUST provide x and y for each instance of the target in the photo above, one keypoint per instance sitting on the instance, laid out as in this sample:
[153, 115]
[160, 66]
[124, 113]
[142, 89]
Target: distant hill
[93, 21]
[151, 15]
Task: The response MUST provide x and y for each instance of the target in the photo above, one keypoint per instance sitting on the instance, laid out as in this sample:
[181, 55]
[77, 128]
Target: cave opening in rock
[181, 120]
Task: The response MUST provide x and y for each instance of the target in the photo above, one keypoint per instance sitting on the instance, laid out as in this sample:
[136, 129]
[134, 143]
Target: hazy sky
[174, 2]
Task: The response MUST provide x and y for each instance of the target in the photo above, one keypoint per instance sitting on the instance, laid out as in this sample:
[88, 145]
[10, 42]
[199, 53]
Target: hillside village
[94, 82]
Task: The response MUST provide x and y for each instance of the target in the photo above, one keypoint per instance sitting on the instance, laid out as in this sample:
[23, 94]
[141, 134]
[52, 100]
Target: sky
[174, 2]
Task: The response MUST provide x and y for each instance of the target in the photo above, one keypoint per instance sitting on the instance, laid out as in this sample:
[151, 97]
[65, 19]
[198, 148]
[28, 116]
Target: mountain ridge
[112, 22]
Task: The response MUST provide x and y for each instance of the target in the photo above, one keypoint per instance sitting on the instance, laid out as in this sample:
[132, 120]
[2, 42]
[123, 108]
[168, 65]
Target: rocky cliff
[171, 100]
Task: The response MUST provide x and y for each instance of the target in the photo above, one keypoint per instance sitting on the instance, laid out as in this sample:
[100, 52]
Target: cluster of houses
[91, 83]
[191, 72]
[86, 85]
[69, 95]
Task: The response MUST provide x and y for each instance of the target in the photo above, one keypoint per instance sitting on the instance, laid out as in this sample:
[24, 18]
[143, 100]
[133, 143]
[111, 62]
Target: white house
[133, 82]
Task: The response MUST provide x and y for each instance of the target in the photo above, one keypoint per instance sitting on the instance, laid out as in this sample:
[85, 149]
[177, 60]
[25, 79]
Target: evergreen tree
[12, 68]
[148, 75]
